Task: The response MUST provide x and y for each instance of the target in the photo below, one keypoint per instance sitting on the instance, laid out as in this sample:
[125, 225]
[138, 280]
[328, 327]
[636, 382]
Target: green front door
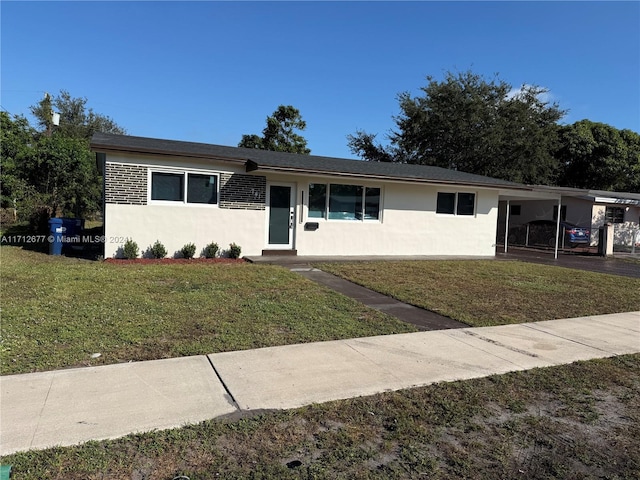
[280, 216]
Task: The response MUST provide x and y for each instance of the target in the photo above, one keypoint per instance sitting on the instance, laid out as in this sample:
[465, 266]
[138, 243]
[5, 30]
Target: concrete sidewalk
[67, 407]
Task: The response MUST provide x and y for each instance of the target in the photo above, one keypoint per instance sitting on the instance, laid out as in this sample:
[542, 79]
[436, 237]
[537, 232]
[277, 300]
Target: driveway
[593, 263]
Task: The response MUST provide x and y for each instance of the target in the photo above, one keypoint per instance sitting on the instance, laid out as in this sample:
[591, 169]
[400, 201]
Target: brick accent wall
[125, 184]
[240, 191]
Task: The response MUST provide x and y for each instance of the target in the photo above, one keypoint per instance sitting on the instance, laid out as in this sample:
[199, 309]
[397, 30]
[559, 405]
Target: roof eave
[102, 148]
[252, 166]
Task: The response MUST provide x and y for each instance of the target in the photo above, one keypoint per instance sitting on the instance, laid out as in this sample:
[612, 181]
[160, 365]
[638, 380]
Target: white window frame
[326, 218]
[455, 204]
[184, 172]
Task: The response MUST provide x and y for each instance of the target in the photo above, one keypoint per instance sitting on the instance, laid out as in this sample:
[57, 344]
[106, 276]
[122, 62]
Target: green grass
[578, 421]
[573, 421]
[488, 292]
[57, 311]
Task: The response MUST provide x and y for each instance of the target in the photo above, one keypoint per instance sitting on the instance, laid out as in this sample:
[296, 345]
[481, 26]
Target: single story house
[584, 208]
[270, 202]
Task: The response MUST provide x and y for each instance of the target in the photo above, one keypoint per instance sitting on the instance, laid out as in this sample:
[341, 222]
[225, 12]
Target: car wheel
[552, 242]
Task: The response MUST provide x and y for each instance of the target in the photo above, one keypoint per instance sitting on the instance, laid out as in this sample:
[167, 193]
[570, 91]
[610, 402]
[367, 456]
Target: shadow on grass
[89, 246]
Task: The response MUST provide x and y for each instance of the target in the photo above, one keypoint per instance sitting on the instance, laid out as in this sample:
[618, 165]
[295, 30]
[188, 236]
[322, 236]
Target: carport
[509, 196]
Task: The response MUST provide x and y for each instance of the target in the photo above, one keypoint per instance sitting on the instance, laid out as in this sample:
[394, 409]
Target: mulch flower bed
[170, 261]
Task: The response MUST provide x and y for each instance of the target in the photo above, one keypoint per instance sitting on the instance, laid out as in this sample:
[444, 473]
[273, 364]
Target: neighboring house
[585, 208]
[270, 202]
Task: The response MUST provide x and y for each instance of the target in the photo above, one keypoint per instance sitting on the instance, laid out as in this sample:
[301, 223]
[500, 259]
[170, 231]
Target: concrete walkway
[419, 317]
[67, 407]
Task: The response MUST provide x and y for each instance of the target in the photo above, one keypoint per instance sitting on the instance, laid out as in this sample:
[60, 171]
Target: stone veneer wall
[125, 184]
[239, 191]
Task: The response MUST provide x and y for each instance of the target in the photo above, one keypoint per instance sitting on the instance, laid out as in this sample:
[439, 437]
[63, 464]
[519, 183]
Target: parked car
[543, 232]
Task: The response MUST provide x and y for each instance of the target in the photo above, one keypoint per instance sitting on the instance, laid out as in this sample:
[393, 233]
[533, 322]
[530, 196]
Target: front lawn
[571, 421]
[488, 292]
[58, 312]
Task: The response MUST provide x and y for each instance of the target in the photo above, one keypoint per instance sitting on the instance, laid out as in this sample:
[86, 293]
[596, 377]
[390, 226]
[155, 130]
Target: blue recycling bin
[56, 233]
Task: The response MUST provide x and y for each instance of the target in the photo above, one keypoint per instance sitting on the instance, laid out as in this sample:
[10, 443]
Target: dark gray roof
[264, 160]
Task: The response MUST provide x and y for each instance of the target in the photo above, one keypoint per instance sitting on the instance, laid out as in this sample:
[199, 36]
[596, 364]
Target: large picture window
[344, 202]
[451, 203]
[184, 187]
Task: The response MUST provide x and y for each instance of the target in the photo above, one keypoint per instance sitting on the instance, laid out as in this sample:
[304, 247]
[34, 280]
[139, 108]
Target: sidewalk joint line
[532, 326]
[381, 366]
[224, 385]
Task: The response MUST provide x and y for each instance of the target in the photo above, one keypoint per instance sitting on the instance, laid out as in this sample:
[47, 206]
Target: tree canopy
[280, 135]
[76, 120]
[598, 156]
[466, 122]
[51, 168]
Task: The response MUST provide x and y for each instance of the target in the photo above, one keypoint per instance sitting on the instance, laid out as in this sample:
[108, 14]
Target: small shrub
[211, 250]
[188, 251]
[130, 250]
[234, 250]
[157, 250]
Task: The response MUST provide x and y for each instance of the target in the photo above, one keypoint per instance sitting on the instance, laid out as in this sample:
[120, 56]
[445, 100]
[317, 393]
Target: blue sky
[213, 71]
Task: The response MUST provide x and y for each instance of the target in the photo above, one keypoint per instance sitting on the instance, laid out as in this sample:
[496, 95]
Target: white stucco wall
[408, 223]
[175, 226]
[408, 226]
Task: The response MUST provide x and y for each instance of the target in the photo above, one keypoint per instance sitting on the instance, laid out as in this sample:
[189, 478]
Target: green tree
[280, 133]
[76, 120]
[16, 147]
[598, 156]
[475, 125]
[62, 171]
[52, 169]
[62, 168]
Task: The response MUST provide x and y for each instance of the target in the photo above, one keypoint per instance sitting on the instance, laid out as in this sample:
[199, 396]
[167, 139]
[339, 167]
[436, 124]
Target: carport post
[558, 227]
[506, 228]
